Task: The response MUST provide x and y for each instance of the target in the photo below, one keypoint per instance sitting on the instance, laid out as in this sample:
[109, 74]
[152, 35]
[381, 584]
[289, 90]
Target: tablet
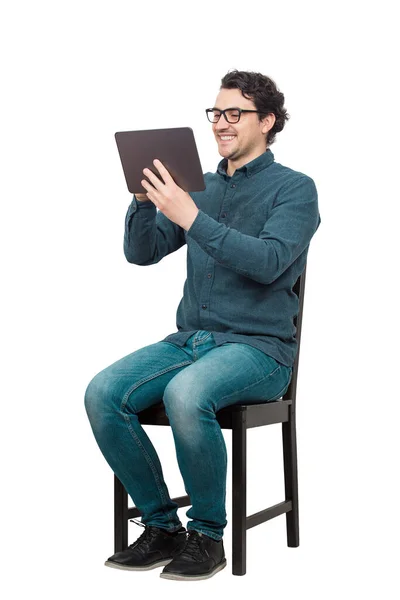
[175, 148]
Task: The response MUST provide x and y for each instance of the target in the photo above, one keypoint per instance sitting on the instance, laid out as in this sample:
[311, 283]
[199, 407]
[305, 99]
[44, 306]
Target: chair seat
[255, 415]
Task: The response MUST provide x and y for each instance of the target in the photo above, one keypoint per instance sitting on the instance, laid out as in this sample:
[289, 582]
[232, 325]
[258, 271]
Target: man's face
[249, 139]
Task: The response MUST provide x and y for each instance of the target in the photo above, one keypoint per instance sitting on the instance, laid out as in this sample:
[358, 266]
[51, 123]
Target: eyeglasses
[232, 115]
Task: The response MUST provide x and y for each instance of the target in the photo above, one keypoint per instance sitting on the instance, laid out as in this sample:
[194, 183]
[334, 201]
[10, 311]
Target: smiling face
[248, 141]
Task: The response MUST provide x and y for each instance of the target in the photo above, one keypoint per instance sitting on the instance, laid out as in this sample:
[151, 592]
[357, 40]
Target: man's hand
[173, 201]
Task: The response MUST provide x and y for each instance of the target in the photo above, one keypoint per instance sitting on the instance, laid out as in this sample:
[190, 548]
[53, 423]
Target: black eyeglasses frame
[240, 110]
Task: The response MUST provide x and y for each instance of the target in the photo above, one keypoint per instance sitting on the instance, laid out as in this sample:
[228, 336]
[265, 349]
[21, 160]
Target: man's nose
[222, 124]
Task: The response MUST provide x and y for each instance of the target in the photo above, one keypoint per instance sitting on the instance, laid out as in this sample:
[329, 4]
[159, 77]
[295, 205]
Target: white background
[73, 74]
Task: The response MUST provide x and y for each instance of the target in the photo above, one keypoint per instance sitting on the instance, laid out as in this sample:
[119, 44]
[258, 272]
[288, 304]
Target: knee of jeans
[99, 400]
[184, 405]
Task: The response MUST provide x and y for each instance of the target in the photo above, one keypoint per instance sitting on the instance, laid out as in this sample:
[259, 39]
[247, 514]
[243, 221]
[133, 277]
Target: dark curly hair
[262, 90]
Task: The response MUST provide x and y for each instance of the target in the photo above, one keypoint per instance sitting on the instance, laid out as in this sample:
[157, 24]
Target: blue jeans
[194, 382]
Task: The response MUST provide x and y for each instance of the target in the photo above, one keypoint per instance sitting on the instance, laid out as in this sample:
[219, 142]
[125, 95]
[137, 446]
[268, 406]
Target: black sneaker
[154, 548]
[201, 558]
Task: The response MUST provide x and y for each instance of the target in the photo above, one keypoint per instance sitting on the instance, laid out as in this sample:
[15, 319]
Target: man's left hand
[173, 201]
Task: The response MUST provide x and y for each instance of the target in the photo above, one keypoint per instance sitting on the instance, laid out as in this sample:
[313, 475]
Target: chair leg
[120, 516]
[239, 514]
[291, 481]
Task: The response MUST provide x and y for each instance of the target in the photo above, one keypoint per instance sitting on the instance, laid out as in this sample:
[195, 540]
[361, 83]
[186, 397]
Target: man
[247, 237]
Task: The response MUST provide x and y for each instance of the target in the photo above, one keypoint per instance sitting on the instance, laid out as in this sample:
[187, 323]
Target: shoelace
[194, 546]
[147, 535]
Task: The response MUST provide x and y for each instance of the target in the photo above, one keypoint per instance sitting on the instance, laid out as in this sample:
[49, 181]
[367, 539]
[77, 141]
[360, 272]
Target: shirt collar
[252, 167]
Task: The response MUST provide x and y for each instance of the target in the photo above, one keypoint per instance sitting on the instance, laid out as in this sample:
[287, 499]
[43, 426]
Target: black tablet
[175, 148]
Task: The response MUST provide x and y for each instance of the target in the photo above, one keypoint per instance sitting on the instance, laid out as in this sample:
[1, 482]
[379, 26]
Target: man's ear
[268, 122]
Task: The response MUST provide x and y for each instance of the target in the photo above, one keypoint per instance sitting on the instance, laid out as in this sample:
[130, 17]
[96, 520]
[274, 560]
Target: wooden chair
[239, 419]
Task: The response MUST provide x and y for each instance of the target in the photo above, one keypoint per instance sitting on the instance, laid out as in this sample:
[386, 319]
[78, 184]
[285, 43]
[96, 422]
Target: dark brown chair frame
[239, 419]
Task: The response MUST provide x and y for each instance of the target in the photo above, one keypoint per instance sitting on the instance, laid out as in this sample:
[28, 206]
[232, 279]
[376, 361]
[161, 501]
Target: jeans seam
[149, 378]
[251, 385]
[285, 387]
[146, 456]
[206, 533]
[197, 341]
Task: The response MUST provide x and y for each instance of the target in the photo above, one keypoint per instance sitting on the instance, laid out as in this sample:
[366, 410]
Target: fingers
[162, 170]
[147, 186]
[166, 177]
[153, 178]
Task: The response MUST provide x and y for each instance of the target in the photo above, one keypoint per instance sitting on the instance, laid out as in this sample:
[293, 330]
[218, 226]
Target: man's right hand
[141, 197]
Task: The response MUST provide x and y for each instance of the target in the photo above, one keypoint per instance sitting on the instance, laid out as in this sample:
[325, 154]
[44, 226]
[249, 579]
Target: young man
[247, 237]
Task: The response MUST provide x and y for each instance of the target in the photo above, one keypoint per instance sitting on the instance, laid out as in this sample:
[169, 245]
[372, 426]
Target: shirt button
[223, 215]
[233, 185]
[208, 275]
[204, 306]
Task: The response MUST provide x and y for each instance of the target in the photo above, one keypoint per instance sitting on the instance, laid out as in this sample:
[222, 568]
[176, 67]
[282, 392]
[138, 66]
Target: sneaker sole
[160, 563]
[180, 577]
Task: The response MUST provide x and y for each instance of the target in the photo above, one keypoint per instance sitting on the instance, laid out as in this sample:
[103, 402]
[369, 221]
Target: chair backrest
[298, 288]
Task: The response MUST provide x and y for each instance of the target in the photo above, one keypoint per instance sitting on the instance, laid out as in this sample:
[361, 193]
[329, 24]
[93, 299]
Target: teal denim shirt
[245, 251]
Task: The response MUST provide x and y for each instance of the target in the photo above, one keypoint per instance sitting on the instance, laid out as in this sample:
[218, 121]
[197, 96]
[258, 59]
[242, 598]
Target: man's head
[255, 131]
